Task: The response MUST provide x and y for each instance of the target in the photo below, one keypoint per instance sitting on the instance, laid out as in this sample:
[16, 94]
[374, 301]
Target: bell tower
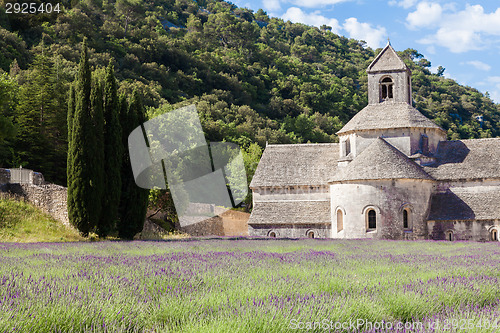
[390, 115]
[389, 79]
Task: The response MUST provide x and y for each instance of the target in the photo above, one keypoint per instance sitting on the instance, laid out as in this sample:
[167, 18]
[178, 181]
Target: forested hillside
[254, 78]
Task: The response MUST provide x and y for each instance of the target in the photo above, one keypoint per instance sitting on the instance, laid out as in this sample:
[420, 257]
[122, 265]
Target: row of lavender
[250, 286]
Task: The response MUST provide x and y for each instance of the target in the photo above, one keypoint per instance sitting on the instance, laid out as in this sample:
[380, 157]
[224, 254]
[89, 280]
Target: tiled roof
[296, 164]
[290, 212]
[388, 115]
[466, 159]
[466, 204]
[380, 160]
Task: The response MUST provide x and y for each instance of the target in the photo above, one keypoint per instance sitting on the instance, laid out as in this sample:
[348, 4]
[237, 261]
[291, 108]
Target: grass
[22, 222]
[223, 285]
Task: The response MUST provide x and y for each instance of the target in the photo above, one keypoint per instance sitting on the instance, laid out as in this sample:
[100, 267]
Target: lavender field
[250, 286]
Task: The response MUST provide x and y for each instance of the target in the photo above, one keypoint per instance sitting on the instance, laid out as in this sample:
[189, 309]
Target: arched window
[310, 234]
[272, 234]
[372, 219]
[386, 91]
[494, 235]
[449, 236]
[406, 223]
[340, 220]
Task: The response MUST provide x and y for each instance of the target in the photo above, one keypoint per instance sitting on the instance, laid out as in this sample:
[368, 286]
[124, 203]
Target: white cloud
[491, 85]
[479, 65]
[459, 31]
[431, 49]
[316, 3]
[295, 14]
[494, 81]
[276, 4]
[495, 96]
[271, 4]
[374, 37]
[456, 40]
[426, 15]
[403, 3]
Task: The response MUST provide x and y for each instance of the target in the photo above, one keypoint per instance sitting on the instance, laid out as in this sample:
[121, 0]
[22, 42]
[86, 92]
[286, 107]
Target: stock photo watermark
[170, 151]
[358, 325]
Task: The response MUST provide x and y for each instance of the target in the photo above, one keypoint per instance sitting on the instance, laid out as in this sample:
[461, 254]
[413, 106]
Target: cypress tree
[134, 200]
[96, 150]
[71, 112]
[112, 155]
[85, 150]
[126, 167]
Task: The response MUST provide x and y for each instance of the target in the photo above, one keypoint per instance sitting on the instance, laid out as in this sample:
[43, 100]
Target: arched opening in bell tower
[386, 89]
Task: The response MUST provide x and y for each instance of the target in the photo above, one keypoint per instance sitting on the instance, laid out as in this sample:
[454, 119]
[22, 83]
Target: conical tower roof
[380, 160]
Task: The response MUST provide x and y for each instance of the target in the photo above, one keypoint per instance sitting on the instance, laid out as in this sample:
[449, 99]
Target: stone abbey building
[393, 175]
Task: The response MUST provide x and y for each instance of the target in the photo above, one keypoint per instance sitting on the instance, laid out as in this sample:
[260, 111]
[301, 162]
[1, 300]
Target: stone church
[393, 175]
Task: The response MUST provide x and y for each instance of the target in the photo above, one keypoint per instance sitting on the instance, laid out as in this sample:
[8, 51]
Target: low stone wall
[235, 223]
[209, 227]
[50, 198]
[229, 223]
[151, 227]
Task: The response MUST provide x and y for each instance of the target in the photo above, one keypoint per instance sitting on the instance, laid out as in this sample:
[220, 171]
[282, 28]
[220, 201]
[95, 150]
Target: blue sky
[463, 37]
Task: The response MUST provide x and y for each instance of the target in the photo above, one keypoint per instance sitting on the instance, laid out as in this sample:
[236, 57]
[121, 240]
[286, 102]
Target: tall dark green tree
[96, 159]
[113, 150]
[134, 200]
[7, 90]
[71, 113]
[85, 150]
[41, 118]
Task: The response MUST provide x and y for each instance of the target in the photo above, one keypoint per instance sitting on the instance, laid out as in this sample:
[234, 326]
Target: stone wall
[50, 198]
[229, 223]
[401, 86]
[290, 231]
[389, 199]
[209, 227]
[297, 192]
[404, 139]
[235, 223]
[470, 230]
